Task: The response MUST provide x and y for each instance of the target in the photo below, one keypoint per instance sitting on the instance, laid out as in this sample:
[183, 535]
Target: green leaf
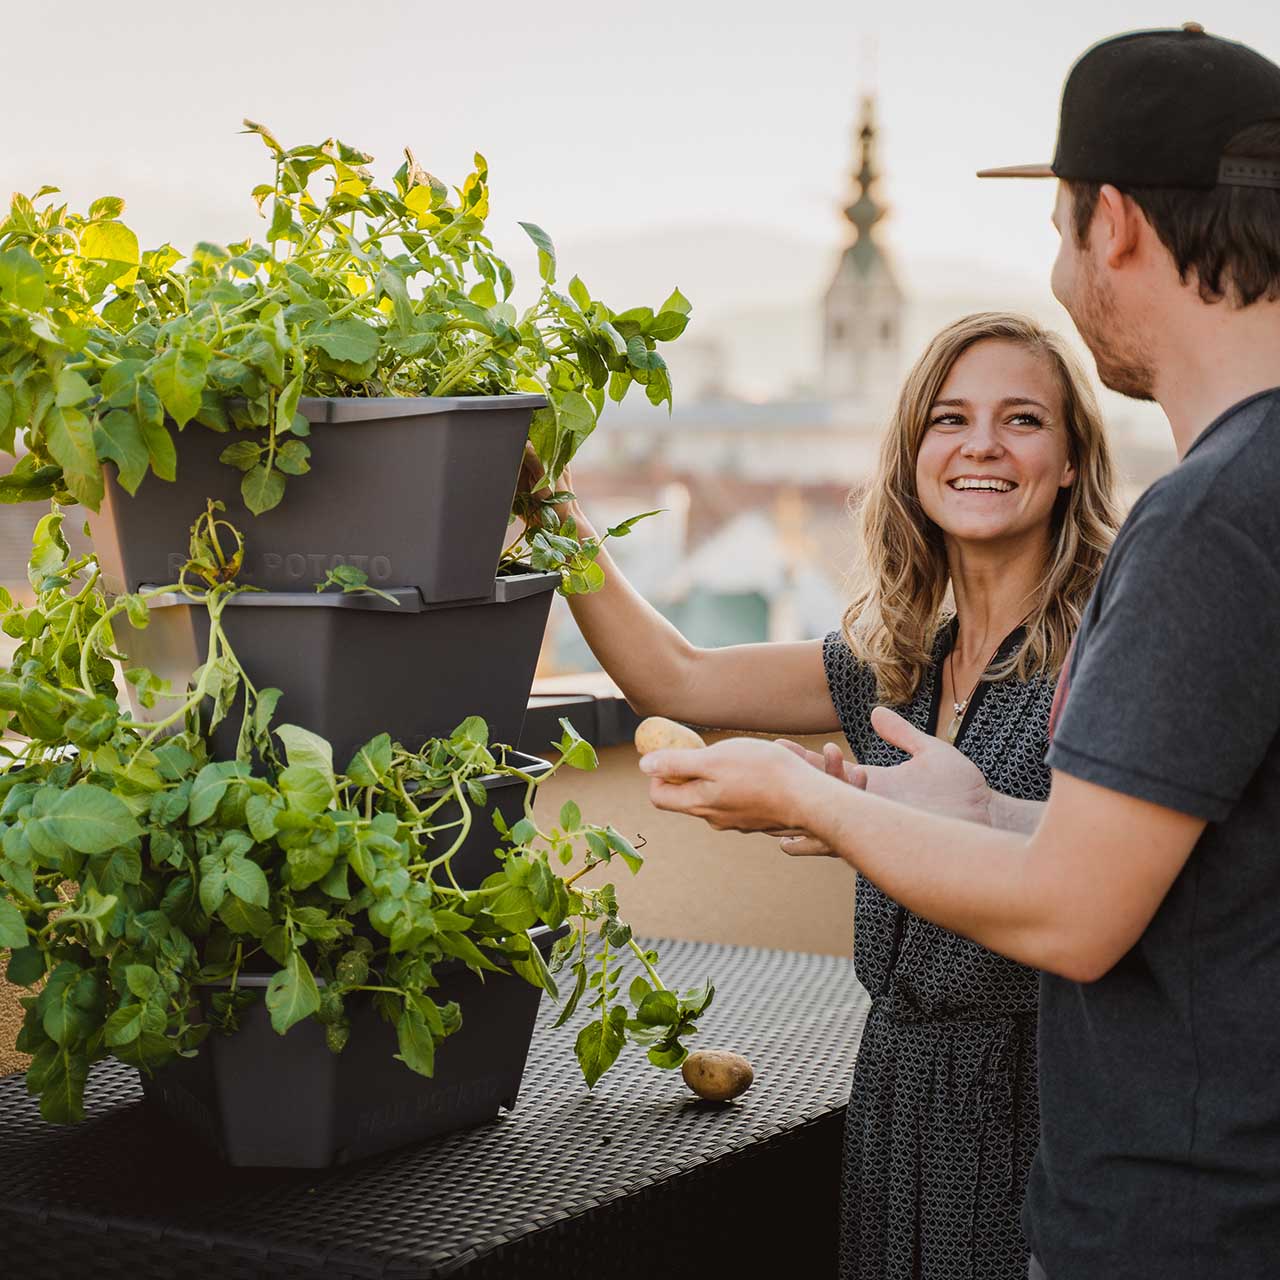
[514, 909]
[244, 917]
[62, 1098]
[570, 816]
[546, 251]
[95, 910]
[264, 709]
[579, 986]
[69, 1003]
[142, 980]
[678, 303]
[208, 788]
[242, 455]
[349, 340]
[179, 377]
[71, 389]
[306, 748]
[308, 791]
[49, 550]
[106, 207]
[118, 437]
[90, 819]
[668, 326]
[137, 610]
[599, 1044]
[623, 847]
[417, 1045]
[292, 458]
[292, 993]
[247, 881]
[69, 435]
[13, 929]
[260, 813]
[122, 866]
[658, 1009]
[262, 488]
[150, 416]
[26, 966]
[125, 1025]
[370, 764]
[21, 279]
[213, 883]
[575, 750]
[8, 423]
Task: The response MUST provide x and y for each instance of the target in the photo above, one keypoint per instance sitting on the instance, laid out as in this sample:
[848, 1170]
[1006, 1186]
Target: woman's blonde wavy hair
[901, 589]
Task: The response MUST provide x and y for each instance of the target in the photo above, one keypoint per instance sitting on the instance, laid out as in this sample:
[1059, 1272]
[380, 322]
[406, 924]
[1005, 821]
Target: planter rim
[380, 408]
[408, 600]
[523, 759]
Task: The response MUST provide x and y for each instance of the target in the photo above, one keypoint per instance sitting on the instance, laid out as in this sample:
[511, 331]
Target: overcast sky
[596, 118]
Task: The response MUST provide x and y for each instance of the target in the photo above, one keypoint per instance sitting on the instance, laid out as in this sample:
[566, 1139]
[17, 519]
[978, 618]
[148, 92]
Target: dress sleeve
[844, 677]
[1174, 693]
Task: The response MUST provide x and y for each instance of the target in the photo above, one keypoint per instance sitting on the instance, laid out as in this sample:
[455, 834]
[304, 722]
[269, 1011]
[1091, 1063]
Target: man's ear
[1117, 225]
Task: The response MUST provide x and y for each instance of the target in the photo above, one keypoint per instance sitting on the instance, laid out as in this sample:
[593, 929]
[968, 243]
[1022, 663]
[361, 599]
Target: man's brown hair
[1228, 236]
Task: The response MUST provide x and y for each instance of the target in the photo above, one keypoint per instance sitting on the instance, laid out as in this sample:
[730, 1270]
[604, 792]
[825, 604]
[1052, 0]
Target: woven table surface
[123, 1192]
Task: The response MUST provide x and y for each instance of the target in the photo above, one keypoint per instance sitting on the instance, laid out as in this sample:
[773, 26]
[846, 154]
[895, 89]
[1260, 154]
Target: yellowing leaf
[114, 244]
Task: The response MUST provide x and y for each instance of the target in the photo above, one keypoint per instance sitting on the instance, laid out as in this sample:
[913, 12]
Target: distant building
[862, 310]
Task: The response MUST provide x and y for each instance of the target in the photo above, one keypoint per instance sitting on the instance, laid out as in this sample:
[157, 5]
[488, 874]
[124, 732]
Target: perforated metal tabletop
[635, 1178]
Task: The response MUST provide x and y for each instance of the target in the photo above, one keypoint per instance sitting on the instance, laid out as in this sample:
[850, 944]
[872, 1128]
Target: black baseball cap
[1157, 109]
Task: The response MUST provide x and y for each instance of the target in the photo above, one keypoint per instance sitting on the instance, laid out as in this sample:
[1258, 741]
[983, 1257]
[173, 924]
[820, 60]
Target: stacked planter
[416, 493]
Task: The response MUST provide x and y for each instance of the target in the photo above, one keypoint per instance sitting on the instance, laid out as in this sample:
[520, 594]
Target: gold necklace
[953, 729]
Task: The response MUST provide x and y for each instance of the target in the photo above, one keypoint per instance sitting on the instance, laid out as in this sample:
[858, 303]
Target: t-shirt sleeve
[1175, 689]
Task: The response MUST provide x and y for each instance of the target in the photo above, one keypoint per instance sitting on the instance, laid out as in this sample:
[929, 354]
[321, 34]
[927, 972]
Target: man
[1149, 888]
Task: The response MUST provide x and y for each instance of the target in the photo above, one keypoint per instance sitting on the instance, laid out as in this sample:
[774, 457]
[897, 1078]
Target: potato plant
[137, 875]
[358, 289]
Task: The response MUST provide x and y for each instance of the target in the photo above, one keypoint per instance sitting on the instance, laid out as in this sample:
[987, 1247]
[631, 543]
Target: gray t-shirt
[1160, 1082]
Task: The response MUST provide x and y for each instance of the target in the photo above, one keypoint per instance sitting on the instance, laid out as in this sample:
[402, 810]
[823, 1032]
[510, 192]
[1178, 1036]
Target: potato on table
[716, 1075]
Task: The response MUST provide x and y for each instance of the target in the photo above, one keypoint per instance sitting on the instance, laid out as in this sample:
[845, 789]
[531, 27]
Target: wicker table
[635, 1178]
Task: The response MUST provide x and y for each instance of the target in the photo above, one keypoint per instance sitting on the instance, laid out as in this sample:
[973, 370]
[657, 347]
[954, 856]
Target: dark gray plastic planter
[353, 666]
[258, 1098]
[474, 859]
[416, 492]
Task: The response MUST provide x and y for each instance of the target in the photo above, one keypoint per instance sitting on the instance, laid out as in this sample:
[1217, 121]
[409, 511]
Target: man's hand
[741, 784]
[832, 763]
[937, 778]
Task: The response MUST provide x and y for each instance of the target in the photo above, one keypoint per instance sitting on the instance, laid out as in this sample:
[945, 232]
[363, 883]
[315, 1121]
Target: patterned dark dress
[943, 1119]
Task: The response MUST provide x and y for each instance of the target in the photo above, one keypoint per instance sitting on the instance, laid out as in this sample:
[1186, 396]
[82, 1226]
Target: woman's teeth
[990, 485]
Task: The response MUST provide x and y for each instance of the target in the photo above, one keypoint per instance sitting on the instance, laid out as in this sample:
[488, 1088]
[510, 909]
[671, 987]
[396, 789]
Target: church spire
[863, 308]
[866, 210]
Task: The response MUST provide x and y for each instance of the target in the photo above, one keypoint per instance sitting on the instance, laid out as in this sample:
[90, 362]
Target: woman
[983, 533]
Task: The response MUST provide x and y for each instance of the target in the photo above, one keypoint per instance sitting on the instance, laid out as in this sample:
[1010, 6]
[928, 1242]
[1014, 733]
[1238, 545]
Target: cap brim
[1019, 171]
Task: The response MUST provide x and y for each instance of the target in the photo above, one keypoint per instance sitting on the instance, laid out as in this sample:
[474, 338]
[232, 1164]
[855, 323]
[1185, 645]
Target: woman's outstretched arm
[771, 688]
[767, 687]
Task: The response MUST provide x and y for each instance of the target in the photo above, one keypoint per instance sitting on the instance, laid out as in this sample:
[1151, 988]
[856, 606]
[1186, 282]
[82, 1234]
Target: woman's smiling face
[996, 450]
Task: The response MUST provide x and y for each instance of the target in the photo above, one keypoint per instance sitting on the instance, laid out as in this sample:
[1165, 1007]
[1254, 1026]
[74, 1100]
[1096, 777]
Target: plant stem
[644, 960]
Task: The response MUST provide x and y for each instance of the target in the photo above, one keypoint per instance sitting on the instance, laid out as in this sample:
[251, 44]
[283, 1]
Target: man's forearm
[1005, 813]
[968, 878]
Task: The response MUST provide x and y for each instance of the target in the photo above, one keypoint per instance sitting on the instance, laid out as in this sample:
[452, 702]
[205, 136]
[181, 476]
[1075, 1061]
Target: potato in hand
[657, 733]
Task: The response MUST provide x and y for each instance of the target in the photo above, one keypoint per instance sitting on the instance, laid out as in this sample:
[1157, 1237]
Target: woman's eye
[947, 420]
[1026, 420]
